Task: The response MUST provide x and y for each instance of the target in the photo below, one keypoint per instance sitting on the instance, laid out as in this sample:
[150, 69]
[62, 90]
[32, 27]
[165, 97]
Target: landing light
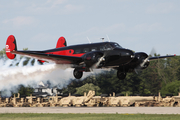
[132, 56]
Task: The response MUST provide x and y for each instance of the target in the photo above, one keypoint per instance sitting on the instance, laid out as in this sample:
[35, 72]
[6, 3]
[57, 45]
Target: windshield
[108, 47]
[115, 45]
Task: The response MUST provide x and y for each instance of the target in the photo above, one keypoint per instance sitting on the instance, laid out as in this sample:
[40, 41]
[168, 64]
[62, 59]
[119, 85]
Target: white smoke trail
[22, 61]
[12, 75]
[1, 62]
[7, 63]
[29, 63]
[25, 74]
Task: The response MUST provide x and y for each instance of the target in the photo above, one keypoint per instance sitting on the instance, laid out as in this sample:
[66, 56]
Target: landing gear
[77, 74]
[121, 75]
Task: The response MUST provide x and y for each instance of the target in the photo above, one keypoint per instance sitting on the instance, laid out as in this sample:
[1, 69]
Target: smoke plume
[14, 73]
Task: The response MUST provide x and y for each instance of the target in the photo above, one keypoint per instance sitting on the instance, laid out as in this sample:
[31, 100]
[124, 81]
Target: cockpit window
[102, 48]
[116, 45]
[108, 47]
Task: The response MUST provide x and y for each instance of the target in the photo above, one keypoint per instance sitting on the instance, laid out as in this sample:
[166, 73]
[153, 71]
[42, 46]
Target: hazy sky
[136, 24]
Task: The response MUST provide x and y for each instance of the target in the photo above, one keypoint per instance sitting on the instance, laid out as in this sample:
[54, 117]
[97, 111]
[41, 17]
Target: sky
[139, 25]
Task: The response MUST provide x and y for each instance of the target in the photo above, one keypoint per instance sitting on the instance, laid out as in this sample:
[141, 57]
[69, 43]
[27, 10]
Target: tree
[86, 88]
[71, 87]
[2, 53]
[171, 68]
[107, 82]
[171, 88]
[25, 90]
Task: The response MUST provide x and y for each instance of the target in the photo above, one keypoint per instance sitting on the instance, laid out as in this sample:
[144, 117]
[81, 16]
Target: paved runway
[120, 110]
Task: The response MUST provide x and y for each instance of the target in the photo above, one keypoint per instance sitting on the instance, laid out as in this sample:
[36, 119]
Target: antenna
[108, 38]
[102, 39]
[89, 40]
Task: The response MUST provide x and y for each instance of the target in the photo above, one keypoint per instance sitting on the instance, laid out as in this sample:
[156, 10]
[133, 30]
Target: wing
[160, 57]
[58, 59]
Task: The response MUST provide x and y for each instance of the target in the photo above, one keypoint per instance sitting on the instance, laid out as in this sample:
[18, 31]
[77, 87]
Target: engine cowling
[141, 60]
[91, 58]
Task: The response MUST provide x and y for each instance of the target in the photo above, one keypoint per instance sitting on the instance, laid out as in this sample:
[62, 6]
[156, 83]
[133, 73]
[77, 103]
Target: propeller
[138, 69]
[101, 59]
[96, 65]
[153, 51]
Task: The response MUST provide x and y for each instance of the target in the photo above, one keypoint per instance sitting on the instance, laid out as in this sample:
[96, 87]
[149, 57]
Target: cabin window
[77, 51]
[108, 47]
[94, 49]
[86, 50]
[102, 48]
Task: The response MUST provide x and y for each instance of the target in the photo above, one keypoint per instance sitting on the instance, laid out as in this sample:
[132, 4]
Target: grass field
[34, 116]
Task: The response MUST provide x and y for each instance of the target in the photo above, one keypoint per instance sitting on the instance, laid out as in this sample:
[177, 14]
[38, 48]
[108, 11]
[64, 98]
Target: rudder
[11, 46]
[61, 42]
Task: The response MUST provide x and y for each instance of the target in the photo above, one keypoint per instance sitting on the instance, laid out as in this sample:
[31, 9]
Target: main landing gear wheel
[121, 75]
[77, 74]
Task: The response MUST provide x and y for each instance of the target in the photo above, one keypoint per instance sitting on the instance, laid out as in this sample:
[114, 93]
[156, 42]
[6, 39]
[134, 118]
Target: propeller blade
[138, 69]
[101, 59]
[144, 62]
[153, 52]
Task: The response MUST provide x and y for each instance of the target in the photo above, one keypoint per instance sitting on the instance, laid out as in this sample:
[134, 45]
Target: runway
[113, 110]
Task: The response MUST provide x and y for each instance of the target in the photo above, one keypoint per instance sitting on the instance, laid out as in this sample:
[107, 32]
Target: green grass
[36, 116]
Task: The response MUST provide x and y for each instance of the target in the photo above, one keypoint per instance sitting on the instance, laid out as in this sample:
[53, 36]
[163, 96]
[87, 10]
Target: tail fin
[61, 42]
[11, 46]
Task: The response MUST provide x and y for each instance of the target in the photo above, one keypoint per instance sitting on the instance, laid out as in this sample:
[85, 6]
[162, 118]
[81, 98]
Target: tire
[77, 74]
[121, 75]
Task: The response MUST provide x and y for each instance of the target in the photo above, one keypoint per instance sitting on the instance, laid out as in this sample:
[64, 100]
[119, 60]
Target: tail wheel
[121, 75]
[77, 74]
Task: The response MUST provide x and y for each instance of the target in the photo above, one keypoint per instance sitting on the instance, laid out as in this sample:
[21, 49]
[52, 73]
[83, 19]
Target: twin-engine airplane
[86, 57]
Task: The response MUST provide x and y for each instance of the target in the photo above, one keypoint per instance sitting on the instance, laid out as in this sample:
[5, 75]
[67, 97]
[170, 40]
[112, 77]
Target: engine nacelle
[92, 57]
[141, 60]
[146, 64]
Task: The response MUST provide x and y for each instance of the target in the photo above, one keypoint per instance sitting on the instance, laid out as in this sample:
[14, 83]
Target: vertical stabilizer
[61, 42]
[11, 46]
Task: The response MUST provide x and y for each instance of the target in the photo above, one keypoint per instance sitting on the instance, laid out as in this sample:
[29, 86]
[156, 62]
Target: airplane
[86, 57]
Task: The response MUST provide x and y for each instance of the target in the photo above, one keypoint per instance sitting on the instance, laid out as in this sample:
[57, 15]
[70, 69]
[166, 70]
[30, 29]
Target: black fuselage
[113, 53]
